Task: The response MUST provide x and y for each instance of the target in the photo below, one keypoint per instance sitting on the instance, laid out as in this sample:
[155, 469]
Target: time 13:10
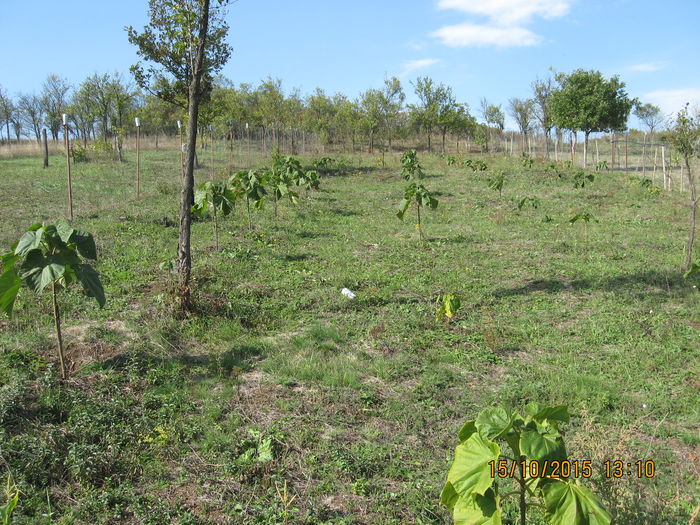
[619, 469]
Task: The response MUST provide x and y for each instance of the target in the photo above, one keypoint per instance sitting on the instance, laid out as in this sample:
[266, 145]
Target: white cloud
[647, 67]
[510, 12]
[410, 67]
[673, 100]
[506, 21]
[462, 35]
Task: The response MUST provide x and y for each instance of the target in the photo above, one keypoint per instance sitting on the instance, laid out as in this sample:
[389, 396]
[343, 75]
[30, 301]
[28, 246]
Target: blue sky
[487, 48]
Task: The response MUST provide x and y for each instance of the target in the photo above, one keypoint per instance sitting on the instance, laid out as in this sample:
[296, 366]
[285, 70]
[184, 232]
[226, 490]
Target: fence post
[137, 121]
[612, 152]
[46, 148]
[663, 166]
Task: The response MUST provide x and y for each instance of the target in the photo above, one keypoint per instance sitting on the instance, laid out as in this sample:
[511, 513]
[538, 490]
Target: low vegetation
[277, 398]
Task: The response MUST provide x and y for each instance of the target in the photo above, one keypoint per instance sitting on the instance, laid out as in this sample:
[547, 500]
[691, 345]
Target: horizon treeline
[103, 107]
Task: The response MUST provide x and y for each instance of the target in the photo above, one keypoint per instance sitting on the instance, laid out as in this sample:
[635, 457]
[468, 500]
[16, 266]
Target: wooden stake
[138, 158]
[663, 166]
[46, 148]
[612, 151]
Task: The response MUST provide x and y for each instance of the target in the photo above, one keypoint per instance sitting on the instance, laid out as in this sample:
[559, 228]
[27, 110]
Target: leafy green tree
[346, 119]
[269, 98]
[415, 191]
[448, 306]
[437, 108]
[50, 255]
[685, 138]
[391, 104]
[215, 197]
[381, 112]
[371, 120]
[320, 116]
[586, 101]
[250, 184]
[474, 489]
[494, 118]
[496, 182]
[184, 43]
[281, 177]
[650, 115]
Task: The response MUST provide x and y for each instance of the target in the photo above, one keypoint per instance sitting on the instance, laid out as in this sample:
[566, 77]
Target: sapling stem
[57, 319]
[250, 221]
[216, 230]
[420, 230]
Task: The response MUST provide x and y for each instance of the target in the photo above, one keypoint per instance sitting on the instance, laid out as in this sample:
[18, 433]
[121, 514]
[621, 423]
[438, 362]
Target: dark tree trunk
[46, 148]
[187, 196]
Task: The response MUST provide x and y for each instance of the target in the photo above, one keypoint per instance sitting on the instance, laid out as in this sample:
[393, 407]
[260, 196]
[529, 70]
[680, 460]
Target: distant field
[355, 405]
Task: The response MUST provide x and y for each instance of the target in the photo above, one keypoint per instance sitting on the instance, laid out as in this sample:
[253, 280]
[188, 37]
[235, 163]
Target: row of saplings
[284, 178]
[54, 256]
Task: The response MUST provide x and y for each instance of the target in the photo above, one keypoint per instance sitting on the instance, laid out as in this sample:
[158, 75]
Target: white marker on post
[138, 122]
[65, 119]
[179, 125]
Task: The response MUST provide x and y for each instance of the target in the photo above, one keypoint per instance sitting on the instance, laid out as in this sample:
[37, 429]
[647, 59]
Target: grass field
[277, 380]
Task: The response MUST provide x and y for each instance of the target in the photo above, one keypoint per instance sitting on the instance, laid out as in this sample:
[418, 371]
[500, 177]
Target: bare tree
[31, 113]
[54, 97]
[7, 111]
[542, 90]
[522, 111]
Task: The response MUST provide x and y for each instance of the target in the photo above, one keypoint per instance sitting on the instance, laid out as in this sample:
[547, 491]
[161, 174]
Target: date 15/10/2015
[505, 468]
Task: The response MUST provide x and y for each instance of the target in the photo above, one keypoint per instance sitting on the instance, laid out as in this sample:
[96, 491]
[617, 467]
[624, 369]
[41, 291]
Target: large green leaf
[466, 431]
[90, 280]
[477, 510]
[52, 272]
[536, 446]
[540, 413]
[85, 244]
[31, 269]
[29, 241]
[64, 230]
[403, 206]
[493, 422]
[8, 260]
[694, 268]
[470, 472]
[568, 503]
[10, 284]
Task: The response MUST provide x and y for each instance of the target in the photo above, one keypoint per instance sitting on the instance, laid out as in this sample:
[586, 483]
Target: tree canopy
[169, 45]
[586, 101]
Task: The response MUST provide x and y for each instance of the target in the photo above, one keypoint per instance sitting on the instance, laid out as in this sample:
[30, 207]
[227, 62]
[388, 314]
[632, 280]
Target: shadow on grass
[651, 283]
[239, 358]
[344, 213]
[294, 257]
